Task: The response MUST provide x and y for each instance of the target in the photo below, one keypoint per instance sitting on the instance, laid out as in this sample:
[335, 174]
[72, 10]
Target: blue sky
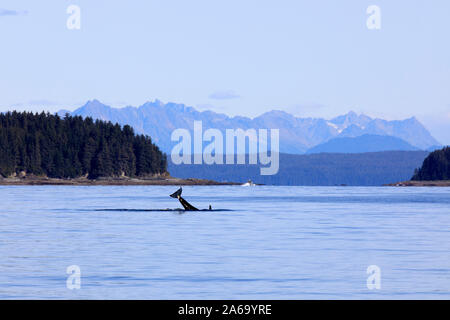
[309, 58]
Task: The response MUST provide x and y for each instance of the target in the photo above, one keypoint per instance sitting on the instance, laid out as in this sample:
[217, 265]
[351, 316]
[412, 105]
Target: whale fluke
[186, 205]
[177, 193]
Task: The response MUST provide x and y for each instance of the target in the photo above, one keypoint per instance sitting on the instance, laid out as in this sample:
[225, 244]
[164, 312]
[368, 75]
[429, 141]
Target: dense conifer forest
[69, 147]
[435, 167]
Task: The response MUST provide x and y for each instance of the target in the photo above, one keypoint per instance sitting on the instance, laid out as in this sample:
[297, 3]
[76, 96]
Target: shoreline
[42, 181]
[437, 183]
[160, 181]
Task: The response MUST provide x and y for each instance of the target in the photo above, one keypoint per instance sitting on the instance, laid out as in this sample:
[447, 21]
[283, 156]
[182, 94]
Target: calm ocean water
[272, 243]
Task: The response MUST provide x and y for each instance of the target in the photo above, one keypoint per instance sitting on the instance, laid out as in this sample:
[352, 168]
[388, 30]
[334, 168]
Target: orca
[177, 195]
[186, 205]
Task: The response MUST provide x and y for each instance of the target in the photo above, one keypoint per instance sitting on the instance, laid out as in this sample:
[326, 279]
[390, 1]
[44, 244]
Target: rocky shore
[119, 181]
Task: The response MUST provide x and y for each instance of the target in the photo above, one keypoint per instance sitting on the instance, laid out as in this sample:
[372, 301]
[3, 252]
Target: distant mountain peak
[350, 123]
[94, 104]
[351, 115]
[412, 119]
[278, 111]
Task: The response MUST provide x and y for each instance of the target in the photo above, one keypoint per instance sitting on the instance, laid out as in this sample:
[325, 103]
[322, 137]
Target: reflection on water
[258, 243]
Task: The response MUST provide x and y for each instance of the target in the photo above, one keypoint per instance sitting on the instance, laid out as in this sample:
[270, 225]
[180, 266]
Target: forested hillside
[435, 167]
[45, 144]
[325, 169]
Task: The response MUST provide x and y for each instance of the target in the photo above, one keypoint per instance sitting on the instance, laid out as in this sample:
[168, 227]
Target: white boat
[249, 183]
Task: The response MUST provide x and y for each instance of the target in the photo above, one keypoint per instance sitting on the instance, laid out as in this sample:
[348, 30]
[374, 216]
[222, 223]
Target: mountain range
[349, 133]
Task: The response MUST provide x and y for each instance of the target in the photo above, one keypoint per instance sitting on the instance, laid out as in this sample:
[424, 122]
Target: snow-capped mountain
[297, 135]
